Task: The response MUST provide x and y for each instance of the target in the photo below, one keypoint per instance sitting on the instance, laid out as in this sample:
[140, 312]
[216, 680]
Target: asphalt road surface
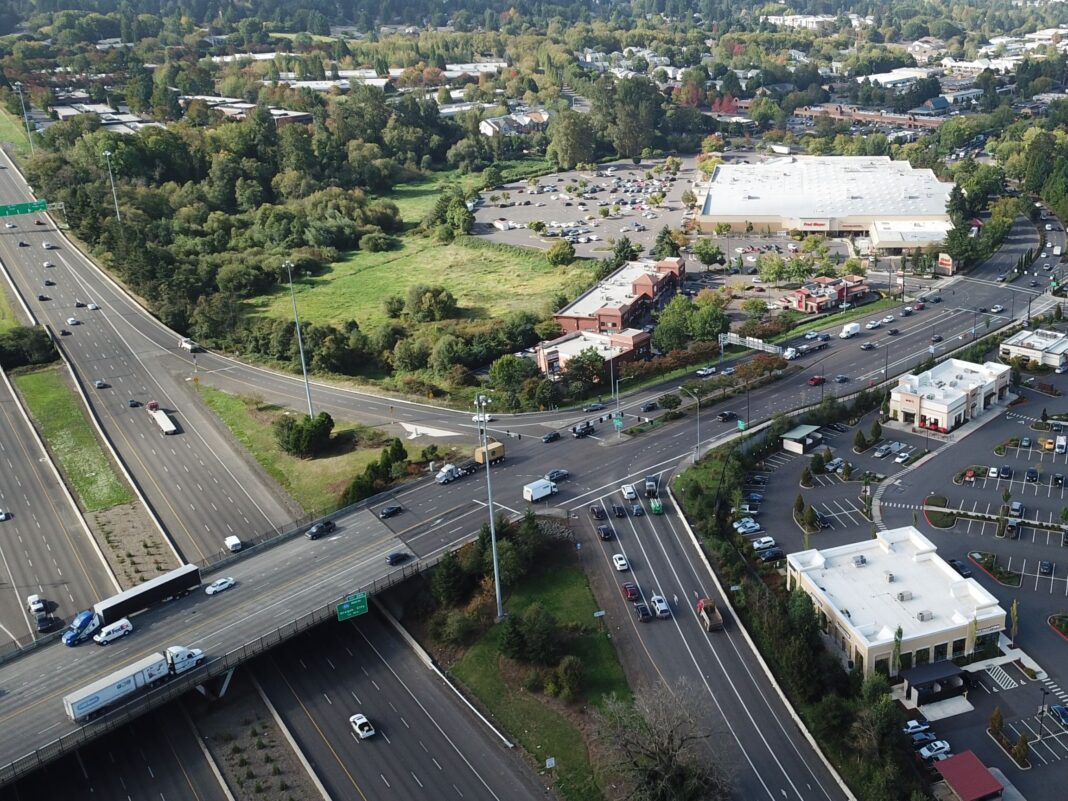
[427, 744]
[198, 482]
[44, 548]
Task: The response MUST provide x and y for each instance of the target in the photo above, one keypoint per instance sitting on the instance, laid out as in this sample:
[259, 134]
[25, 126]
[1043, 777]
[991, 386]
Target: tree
[860, 442]
[895, 655]
[708, 252]
[811, 521]
[509, 372]
[655, 747]
[306, 437]
[996, 721]
[806, 476]
[1021, 751]
[799, 505]
[876, 431]
[587, 367]
[708, 322]
[817, 462]
[670, 401]
[541, 634]
[572, 139]
[689, 199]
[562, 252]
[632, 109]
[754, 308]
[1014, 615]
[665, 245]
[511, 642]
[673, 325]
[569, 677]
[491, 177]
[428, 303]
[449, 584]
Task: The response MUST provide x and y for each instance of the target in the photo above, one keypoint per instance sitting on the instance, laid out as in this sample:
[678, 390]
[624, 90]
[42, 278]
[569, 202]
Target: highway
[154, 758]
[202, 486]
[427, 743]
[44, 546]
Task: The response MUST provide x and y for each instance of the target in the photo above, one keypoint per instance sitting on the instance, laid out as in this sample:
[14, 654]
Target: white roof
[614, 291]
[826, 186]
[573, 344]
[1041, 340]
[948, 381]
[909, 232]
[854, 579]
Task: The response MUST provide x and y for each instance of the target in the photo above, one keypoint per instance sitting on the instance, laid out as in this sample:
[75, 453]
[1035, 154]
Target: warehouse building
[895, 206]
[865, 591]
[949, 394]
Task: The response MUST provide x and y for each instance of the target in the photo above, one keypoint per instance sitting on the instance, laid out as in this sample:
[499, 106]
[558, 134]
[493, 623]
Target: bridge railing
[213, 667]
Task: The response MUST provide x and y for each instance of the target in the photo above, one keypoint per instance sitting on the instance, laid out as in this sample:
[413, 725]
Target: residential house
[927, 49]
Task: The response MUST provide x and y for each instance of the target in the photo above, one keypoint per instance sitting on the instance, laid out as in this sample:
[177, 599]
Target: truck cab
[81, 628]
[652, 486]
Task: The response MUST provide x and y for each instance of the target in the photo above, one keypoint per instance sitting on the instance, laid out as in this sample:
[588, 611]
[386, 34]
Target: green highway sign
[23, 208]
[354, 605]
[741, 425]
[618, 423]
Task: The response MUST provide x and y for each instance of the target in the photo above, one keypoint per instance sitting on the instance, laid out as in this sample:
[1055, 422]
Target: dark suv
[320, 529]
[725, 417]
[582, 430]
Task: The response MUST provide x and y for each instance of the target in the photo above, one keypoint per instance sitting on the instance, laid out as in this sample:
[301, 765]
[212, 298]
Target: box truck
[849, 330]
[537, 490]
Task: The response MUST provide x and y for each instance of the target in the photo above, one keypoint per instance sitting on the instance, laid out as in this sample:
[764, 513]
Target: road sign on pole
[741, 425]
[354, 605]
[23, 208]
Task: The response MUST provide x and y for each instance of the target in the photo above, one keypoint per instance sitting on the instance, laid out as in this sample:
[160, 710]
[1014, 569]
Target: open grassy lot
[72, 440]
[13, 130]
[8, 320]
[542, 726]
[486, 282]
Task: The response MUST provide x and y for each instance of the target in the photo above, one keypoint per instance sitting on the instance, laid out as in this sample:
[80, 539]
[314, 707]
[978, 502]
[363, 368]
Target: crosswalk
[1056, 690]
[897, 505]
[1001, 678]
[1018, 416]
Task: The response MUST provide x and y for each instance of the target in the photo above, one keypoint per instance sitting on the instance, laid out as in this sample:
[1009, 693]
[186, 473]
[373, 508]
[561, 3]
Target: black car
[552, 436]
[960, 567]
[726, 417]
[982, 310]
[1032, 474]
[396, 558]
[772, 555]
[1058, 479]
[593, 407]
[598, 512]
[1005, 471]
[637, 510]
[63, 332]
[841, 429]
[649, 406]
[761, 480]
[893, 332]
[824, 337]
[618, 510]
[754, 497]
[641, 611]
[936, 299]
[582, 430]
[133, 404]
[320, 529]
[50, 282]
[23, 244]
[936, 338]
[43, 297]
[605, 532]
[922, 738]
[389, 511]
[79, 304]
[822, 520]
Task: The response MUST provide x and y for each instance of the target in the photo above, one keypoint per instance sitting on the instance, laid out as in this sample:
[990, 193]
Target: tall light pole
[697, 445]
[300, 339]
[25, 116]
[111, 177]
[1042, 715]
[481, 402]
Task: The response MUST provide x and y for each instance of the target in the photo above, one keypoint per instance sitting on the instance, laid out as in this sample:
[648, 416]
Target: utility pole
[300, 339]
[25, 116]
[697, 445]
[481, 402]
[114, 194]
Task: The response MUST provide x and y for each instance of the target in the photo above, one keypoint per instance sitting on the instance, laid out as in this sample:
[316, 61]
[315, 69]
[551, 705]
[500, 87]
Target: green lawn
[538, 727]
[487, 283]
[72, 439]
[13, 130]
[8, 320]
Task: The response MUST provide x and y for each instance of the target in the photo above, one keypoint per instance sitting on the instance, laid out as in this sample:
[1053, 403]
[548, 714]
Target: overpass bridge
[284, 588]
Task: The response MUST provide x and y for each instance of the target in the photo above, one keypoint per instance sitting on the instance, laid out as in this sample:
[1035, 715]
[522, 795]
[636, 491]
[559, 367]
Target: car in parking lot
[834, 464]
[882, 451]
[934, 749]
[559, 474]
[1045, 567]
[1005, 472]
[771, 554]
[552, 436]
[1032, 474]
[916, 727]
[763, 543]
[960, 567]
[597, 512]
[839, 427]
[1060, 713]
[1058, 479]
[660, 606]
[748, 528]
[903, 457]
[921, 739]
[992, 472]
[1025, 442]
[755, 497]
[743, 523]
[605, 532]
[1016, 509]
[620, 562]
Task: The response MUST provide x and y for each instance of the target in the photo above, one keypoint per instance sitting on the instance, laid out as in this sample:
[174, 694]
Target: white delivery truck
[161, 418]
[102, 695]
[849, 330]
[1062, 444]
[185, 343]
[537, 490]
[1057, 251]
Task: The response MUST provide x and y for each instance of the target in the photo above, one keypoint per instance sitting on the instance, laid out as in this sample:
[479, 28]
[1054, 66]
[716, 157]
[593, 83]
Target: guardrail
[214, 667]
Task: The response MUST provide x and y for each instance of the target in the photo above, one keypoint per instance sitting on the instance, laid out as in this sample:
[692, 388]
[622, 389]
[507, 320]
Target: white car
[763, 543]
[660, 606]
[35, 604]
[704, 372]
[889, 319]
[744, 523]
[629, 492]
[9, 225]
[903, 457]
[219, 585]
[49, 246]
[997, 309]
[93, 307]
[73, 321]
[748, 528]
[48, 264]
[873, 324]
[5, 515]
[482, 418]
[1061, 369]
[934, 749]
[362, 726]
[621, 563]
[992, 472]
[812, 334]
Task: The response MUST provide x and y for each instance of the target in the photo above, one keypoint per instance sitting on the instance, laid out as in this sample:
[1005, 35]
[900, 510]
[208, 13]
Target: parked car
[916, 727]
[1032, 474]
[921, 739]
[934, 749]
[1045, 567]
[992, 472]
[1025, 442]
[771, 555]
[748, 528]
[763, 543]
[1005, 472]
[1060, 713]
[960, 567]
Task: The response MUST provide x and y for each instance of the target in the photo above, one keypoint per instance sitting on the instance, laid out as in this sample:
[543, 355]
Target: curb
[994, 578]
[756, 652]
[429, 662]
[290, 739]
[207, 755]
[1015, 764]
[1056, 630]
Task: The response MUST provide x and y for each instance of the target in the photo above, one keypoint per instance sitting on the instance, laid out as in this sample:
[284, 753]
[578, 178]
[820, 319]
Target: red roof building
[969, 778]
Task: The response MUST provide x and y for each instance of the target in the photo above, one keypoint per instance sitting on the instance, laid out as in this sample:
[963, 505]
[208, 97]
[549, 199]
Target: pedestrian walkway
[896, 505]
[1018, 416]
[1055, 688]
[1001, 678]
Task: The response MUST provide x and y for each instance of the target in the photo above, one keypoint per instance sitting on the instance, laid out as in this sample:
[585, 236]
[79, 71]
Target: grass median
[13, 130]
[72, 439]
[545, 727]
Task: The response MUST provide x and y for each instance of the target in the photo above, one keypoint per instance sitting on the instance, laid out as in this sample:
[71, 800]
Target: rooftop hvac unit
[904, 595]
[889, 577]
[925, 615]
[859, 561]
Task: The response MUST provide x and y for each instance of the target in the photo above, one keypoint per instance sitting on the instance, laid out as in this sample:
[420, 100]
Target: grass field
[8, 320]
[72, 440]
[486, 282]
[13, 130]
[538, 726]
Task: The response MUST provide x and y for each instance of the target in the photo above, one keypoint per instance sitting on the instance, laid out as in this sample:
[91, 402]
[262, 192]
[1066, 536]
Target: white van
[233, 544]
[113, 631]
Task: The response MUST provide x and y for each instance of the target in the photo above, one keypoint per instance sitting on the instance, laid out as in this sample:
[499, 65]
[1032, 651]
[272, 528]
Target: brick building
[623, 298]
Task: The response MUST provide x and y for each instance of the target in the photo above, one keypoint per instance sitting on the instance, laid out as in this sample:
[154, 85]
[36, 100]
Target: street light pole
[300, 339]
[25, 116]
[1042, 715]
[696, 447]
[114, 194]
[483, 434]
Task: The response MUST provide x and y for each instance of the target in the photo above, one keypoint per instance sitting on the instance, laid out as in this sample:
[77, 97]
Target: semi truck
[105, 694]
[803, 350]
[174, 584]
[849, 330]
[711, 618]
[163, 420]
[652, 486]
[537, 490]
[492, 454]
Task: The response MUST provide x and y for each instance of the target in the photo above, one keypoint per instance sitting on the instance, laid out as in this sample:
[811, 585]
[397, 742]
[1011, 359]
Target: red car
[630, 590]
[816, 380]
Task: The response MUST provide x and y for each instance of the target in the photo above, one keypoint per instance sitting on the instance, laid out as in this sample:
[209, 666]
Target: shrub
[376, 242]
[569, 677]
[458, 628]
[305, 438]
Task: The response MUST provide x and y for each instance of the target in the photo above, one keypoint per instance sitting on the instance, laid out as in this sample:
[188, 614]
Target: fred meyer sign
[809, 225]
